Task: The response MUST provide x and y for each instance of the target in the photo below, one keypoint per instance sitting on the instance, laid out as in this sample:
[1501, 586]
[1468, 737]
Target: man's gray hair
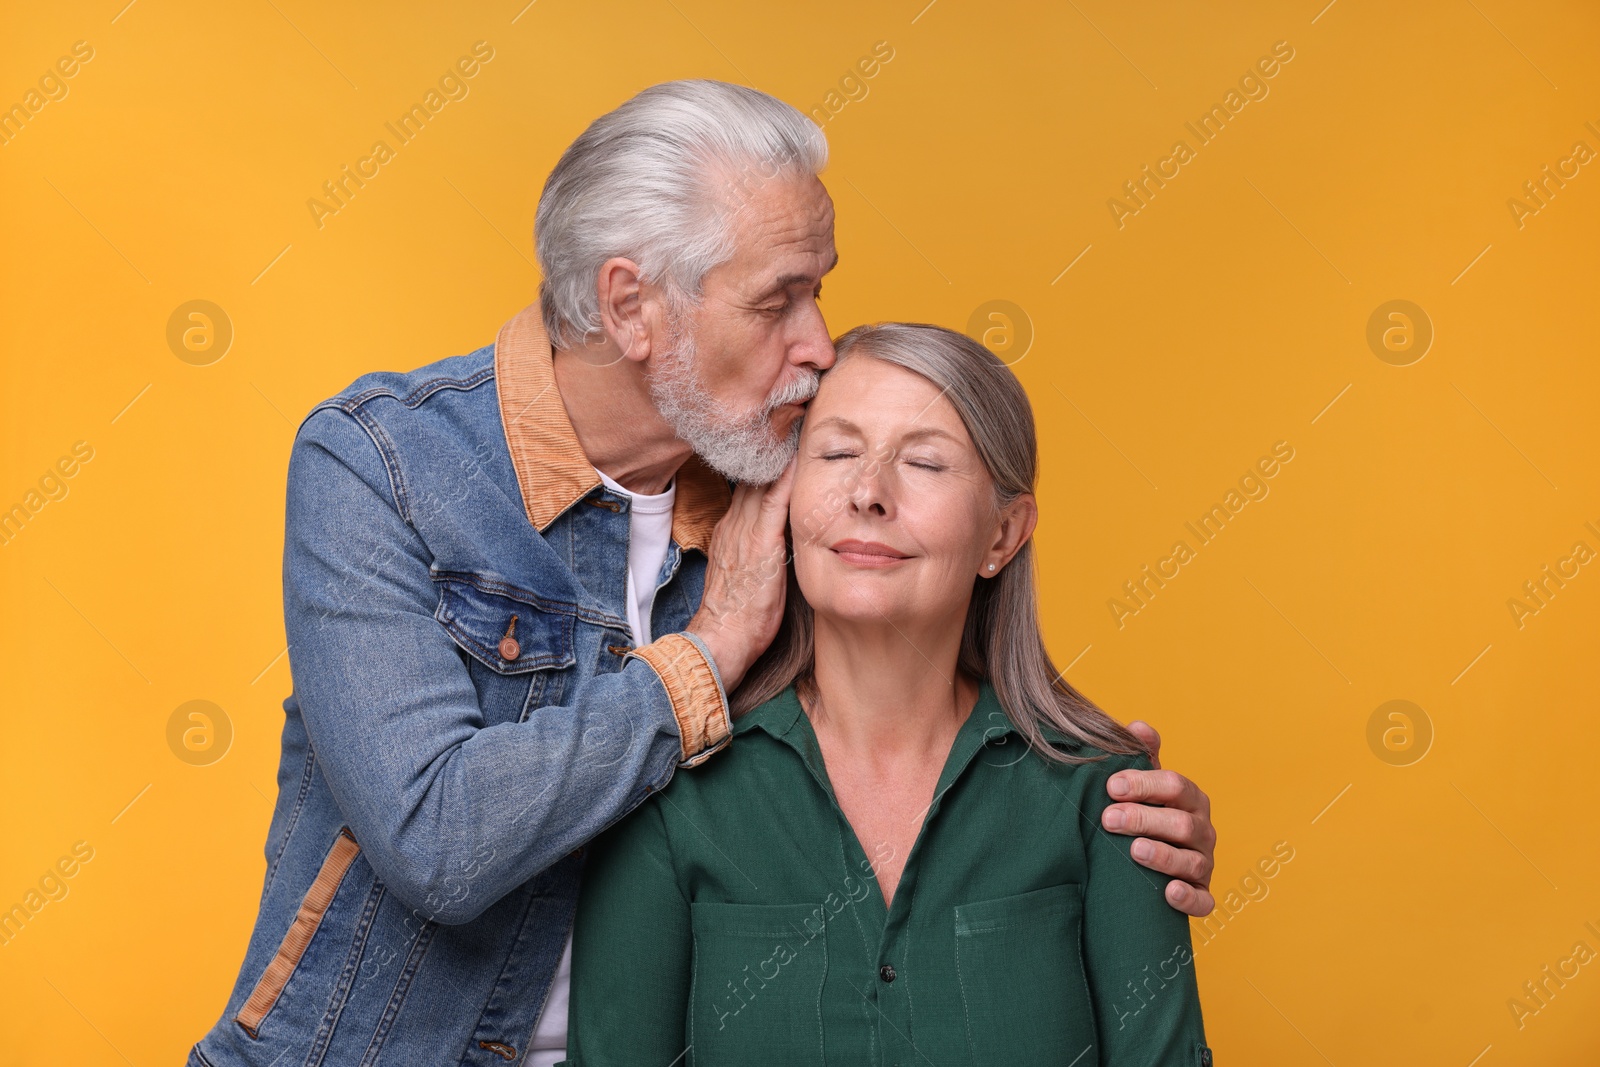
[659, 181]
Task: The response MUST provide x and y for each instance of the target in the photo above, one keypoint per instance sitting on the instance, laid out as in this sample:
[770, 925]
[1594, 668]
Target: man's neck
[617, 423]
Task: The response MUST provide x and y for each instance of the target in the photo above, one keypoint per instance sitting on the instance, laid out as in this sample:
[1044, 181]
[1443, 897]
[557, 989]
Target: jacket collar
[552, 470]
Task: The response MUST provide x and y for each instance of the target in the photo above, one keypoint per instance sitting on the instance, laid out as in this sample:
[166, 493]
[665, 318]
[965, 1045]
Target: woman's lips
[868, 553]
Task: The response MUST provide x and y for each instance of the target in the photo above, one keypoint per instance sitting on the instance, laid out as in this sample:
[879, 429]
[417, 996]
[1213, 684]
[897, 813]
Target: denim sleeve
[451, 813]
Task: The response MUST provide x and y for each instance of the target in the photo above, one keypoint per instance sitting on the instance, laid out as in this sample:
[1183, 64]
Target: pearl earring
[991, 566]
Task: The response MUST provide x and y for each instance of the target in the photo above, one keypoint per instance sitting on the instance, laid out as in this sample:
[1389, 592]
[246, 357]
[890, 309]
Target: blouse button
[886, 972]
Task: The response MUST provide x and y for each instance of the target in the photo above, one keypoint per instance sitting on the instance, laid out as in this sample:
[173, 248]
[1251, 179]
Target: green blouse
[733, 919]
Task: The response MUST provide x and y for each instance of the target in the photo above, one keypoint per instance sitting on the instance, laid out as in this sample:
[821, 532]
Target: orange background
[1229, 313]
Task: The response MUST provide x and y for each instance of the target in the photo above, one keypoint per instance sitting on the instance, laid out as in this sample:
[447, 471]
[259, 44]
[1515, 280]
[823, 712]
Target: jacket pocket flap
[507, 629]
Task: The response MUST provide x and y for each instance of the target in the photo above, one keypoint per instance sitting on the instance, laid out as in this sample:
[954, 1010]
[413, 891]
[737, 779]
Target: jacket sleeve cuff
[694, 686]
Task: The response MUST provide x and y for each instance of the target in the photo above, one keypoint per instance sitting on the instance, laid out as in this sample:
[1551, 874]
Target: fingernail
[1182, 893]
[1143, 850]
[1116, 819]
[1119, 787]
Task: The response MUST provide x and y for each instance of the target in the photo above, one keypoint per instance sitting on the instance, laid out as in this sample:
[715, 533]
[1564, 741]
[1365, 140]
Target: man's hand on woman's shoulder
[1171, 820]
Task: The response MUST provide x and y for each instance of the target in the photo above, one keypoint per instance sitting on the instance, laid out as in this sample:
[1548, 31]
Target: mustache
[800, 389]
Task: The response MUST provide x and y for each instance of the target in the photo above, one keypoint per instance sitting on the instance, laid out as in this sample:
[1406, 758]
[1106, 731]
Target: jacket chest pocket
[756, 995]
[514, 642]
[1020, 964]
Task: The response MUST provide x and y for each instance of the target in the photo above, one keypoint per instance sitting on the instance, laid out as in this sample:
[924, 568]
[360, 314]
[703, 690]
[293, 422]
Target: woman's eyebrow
[928, 431]
[842, 423]
[838, 421]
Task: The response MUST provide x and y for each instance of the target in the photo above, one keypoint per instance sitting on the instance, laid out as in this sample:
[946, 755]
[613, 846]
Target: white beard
[740, 446]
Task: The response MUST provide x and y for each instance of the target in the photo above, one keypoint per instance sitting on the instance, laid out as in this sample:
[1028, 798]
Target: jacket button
[509, 649]
[886, 972]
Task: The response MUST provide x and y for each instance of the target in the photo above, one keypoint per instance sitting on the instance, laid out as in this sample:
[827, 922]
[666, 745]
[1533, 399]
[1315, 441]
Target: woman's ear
[619, 288]
[1017, 521]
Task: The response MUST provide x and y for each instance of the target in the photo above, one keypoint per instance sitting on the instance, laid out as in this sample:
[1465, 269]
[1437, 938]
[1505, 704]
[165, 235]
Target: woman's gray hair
[660, 180]
[1002, 641]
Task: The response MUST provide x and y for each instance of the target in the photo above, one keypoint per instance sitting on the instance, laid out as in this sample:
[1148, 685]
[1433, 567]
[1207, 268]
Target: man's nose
[813, 347]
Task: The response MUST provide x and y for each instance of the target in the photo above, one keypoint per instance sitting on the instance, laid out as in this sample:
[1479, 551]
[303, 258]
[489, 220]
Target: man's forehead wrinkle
[765, 206]
[797, 256]
[783, 232]
[790, 227]
[776, 207]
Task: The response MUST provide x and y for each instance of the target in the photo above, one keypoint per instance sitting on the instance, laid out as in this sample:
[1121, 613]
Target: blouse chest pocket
[756, 993]
[1019, 961]
[513, 641]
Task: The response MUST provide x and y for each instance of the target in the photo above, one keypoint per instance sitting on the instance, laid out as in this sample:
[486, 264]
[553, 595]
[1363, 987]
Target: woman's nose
[869, 505]
[872, 490]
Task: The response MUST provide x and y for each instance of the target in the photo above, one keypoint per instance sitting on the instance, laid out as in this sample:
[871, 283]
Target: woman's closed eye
[920, 462]
[925, 464]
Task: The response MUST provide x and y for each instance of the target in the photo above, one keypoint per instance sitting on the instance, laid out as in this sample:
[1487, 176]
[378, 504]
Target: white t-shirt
[649, 534]
[649, 537]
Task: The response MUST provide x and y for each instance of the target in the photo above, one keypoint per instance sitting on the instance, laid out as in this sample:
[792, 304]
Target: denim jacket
[468, 711]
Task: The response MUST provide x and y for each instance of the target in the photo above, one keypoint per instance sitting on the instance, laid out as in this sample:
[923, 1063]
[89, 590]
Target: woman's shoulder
[722, 807]
[761, 743]
[1087, 768]
[1087, 756]
[1057, 753]
[777, 712]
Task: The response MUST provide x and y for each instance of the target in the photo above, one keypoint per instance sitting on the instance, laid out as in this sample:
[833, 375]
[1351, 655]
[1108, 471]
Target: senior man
[518, 588]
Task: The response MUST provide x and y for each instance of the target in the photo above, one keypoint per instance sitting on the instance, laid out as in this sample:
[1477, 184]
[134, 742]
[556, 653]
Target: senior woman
[901, 860]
